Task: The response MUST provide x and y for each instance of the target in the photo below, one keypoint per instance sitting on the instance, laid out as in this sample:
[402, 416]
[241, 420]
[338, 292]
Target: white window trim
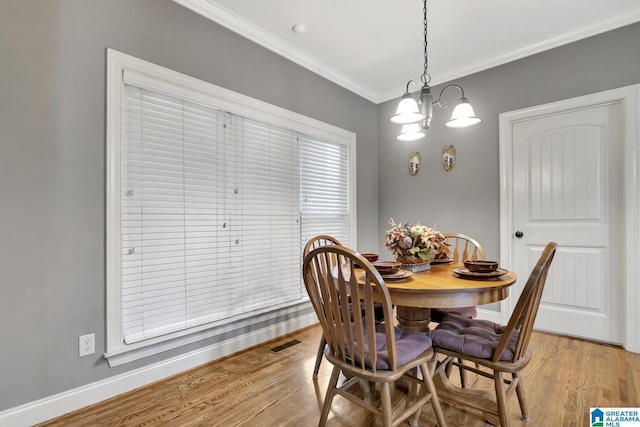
[198, 91]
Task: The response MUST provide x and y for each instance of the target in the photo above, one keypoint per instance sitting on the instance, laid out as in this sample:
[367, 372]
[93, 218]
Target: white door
[567, 188]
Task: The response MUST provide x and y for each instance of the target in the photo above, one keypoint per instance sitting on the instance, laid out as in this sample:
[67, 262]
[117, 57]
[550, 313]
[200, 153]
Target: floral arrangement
[416, 242]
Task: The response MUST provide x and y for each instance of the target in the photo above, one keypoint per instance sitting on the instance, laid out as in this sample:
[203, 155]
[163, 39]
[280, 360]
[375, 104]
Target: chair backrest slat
[341, 312]
[526, 309]
[359, 325]
[343, 298]
[367, 307]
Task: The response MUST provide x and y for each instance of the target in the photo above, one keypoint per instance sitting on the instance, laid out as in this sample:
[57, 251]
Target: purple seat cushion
[409, 345]
[472, 337]
[437, 314]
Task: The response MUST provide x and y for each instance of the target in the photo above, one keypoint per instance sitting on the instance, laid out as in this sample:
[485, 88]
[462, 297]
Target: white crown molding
[237, 24]
[627, 17]
[616, 21]
[259, 36]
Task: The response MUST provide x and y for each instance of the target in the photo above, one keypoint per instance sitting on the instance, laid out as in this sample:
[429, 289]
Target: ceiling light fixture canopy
[415, 114]
[299, 28]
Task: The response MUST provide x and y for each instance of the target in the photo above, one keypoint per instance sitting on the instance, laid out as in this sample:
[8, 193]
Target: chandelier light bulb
[463, 115]
[411, 132]
[407, 111]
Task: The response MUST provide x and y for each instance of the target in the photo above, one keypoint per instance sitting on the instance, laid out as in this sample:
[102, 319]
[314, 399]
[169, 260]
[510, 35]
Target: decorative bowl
[371, 257]
[481, 266]
[387, 266]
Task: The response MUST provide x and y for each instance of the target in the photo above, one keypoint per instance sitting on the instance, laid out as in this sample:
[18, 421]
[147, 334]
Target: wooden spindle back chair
[313, 243]
[358, 345]
[501, 349]
[462, 248]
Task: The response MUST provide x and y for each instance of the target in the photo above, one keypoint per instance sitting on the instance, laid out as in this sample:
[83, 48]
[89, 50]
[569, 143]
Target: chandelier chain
[415, 110]
[425, 78]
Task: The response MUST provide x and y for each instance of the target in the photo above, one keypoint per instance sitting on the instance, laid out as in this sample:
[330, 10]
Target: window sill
[250, 330]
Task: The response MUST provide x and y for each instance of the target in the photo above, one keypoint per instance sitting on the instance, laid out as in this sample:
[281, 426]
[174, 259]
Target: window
[325, 187]
[211, 197]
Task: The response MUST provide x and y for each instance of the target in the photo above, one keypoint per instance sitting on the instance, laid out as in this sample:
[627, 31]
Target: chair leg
[435, 400]
[366, 387]
[521, 399]
[414, 394]
[319, 357]
[385, 400]
[501, 397]
[463, 375]
[328, 398]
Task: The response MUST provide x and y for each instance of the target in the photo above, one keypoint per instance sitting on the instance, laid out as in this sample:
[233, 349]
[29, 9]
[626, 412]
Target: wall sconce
[414, 163]
[448, 157]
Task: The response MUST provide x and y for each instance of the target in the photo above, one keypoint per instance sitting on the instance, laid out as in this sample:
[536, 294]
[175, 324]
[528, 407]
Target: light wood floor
[260, 387]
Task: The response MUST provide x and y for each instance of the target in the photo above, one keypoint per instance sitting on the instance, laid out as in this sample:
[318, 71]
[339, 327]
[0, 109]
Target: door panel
[567, 188]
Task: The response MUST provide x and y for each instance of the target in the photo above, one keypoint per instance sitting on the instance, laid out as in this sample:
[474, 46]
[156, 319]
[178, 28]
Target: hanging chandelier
[415, 114]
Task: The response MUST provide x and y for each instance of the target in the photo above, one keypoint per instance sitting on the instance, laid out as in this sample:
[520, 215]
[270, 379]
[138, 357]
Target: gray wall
[466, 199]
[52, 164]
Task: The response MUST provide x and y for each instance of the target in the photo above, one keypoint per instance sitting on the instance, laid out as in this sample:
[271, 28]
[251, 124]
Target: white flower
[415, 239]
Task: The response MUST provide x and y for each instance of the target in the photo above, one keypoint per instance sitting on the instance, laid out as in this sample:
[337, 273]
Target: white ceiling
[373, 47]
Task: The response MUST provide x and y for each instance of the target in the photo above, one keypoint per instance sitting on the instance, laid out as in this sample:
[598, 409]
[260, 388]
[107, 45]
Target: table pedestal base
[413, 319]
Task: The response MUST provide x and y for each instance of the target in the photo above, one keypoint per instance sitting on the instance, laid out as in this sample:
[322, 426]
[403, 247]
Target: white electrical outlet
[87, 345]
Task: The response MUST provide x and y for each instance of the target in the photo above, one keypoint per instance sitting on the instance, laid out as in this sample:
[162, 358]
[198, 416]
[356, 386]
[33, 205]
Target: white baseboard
[72, 400]
[493, 316]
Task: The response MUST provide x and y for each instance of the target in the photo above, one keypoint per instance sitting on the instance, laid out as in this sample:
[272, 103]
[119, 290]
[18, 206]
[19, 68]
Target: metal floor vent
[285, 346]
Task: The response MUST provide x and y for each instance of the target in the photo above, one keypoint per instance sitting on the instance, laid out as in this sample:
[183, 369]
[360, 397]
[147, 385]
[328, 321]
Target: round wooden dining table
[441, 287]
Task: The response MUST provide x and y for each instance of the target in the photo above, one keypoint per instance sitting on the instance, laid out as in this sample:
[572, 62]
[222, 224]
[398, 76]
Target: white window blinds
[324, 189]
[210, 212]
